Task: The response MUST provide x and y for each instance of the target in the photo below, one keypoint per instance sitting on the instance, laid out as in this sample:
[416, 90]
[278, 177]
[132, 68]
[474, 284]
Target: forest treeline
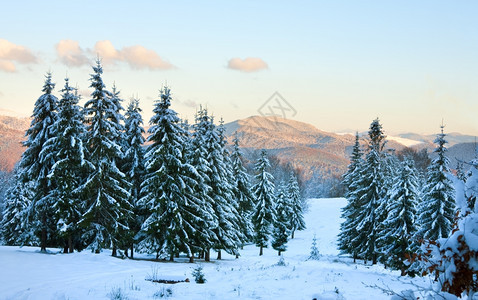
[87, 180]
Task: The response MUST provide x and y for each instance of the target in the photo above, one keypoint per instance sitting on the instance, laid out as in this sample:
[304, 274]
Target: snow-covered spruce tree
[107, 190]
[242, 191]
[69, 170]
[169, 186]
[348, 230]
[133, 167]
[314, 251]
[263, 216]
[438, 203]
[296, 214]
[395, 238]
[36, 163]
[228, 233]
[280, 232]
[371, 194]
[198, 157]
[454, 259]
[14, 227]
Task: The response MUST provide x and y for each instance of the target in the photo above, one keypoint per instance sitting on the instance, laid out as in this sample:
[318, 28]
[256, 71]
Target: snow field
[28, 274]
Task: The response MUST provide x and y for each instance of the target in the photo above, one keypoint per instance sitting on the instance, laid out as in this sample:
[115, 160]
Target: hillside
[12, 133]
[28, 274]
[318, 154]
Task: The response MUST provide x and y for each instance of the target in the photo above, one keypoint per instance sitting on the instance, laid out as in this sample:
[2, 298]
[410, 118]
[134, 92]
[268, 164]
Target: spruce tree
[438, 204]
[36, 163]
[169, 186]
[264, 212]
[133, 166]
[14, 226]
[242, 191]
[280, 232]
[69, 169]
[296, 214]
[396, 237]
[198, 156]
[228, 235]
[348, 230]
[107, 191]
[371, 193]
[314, 251]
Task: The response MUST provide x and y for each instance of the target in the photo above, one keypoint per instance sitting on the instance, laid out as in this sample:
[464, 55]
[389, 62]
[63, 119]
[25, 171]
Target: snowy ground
[27, 274]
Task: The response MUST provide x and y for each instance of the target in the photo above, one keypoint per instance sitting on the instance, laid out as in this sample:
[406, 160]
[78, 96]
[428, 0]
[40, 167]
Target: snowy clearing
[28, 274]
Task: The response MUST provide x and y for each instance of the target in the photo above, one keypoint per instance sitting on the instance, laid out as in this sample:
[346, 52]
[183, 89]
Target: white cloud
[71, 54]
[138, 57]
[10, 53]
[249, 64]
[107, 52]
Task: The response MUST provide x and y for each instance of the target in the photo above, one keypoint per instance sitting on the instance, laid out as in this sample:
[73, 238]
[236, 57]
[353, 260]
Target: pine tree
[69, 169]
[348, 230]
[36, 162]
[438, 204]
[314, 251]
[264, 213]
[169, 186]
[133, 166]
[198, 153]
[280, 233]
[227, 232]
[14, 227]
[399, 228]
[371, 193]
[106, 188]
[242, 191]
[296, 215]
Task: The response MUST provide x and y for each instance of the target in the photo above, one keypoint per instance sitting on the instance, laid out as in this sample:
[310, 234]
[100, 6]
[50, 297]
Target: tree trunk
[171, 257]
[207, 255]
[65, 248]
[132, 251]
[278, 253]
[113, 253]
[219, 256]
[126, 252]
[191, 259]
[70, 244]
[260, 251]
[293, 232]
[374, 257]
[43, 235]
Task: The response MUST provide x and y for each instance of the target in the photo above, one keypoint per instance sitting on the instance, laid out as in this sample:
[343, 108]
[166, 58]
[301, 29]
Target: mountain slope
[12, 133]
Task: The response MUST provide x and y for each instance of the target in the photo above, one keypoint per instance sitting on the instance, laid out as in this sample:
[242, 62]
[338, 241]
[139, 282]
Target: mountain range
[315, 152]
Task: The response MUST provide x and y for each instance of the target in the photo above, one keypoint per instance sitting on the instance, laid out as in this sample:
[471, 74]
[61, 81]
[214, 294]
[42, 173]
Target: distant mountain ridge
[320, 154]
[315, 152]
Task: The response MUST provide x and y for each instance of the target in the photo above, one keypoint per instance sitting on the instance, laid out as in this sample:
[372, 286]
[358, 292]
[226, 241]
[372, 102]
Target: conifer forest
[91, 178]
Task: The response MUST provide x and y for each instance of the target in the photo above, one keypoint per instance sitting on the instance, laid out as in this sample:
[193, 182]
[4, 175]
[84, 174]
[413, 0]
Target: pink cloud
[138, 57]
[249, 64]
[71, 54]
[10, 53]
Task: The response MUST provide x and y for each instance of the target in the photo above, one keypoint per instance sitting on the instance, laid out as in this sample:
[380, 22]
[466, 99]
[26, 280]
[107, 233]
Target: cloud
[10, 53]
[107, 52]
[249, 64]
[71, 54]
[1, 94]
[188, 103]
[138, 57]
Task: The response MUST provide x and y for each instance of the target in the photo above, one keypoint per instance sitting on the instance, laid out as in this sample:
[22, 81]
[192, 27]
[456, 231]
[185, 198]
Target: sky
[334, 64]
